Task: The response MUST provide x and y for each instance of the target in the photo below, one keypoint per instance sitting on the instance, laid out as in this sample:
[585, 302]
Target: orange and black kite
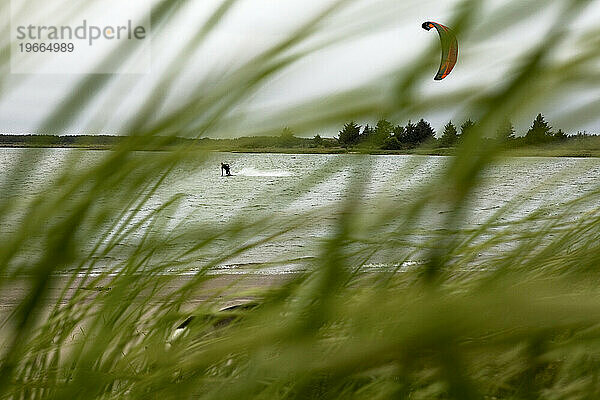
[449, 48]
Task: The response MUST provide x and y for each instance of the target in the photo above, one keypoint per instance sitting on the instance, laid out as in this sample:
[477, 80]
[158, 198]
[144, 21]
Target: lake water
[272, 184]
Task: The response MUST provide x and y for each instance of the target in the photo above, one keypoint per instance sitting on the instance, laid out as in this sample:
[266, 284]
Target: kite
[449, 48]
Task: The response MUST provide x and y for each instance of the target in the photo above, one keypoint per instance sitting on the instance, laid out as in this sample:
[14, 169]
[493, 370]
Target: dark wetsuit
[225, 168]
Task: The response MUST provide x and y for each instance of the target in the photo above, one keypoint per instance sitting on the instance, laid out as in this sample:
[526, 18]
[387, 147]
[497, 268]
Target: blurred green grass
[522, 323]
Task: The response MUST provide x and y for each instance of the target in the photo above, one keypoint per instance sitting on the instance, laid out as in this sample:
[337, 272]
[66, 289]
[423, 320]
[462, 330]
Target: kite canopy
[449, 48]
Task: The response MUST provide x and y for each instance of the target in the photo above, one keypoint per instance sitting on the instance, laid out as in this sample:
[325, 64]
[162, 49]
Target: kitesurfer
[225, 169]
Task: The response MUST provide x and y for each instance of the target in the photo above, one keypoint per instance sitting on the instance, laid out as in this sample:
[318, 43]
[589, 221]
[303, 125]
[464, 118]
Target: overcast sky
[256, 23]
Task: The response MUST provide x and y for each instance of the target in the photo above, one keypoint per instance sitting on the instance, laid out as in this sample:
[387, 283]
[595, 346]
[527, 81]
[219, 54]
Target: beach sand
[216, 293]
[220, 290]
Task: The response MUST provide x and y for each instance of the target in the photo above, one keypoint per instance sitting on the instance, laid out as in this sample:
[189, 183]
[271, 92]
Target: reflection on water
[281, 185]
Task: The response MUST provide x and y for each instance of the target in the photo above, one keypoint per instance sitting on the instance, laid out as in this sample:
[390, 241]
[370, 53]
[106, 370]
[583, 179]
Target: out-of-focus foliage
[519, 323]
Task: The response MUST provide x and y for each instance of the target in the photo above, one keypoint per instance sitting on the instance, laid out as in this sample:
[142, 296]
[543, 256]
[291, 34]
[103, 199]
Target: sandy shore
[218, 292]
[222, 290]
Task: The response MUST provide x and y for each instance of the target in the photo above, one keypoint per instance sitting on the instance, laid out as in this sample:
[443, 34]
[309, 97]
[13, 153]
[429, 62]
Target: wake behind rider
[225, 168]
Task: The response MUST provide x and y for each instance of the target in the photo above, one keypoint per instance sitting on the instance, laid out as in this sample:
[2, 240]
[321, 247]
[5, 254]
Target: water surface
[275, 185]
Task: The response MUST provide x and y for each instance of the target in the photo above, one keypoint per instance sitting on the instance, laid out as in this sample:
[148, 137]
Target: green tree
[540, 131]
[560, 136]
[350, 135]
[414, 134]
[317, 141]
[287, 138]
[370, 138]
[399, 131]
[396, 140]
[407, 135]
[450, 135]
[392, 143]
[287, 132]
[367, 134]
[424, 132]
[383, 130]
[506, 132]
[466, 128]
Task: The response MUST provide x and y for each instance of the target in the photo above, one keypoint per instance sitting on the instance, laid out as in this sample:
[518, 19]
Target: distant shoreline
[276, 145]
[519, 152]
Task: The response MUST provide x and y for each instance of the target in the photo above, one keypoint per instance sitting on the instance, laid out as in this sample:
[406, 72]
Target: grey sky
[256, 23]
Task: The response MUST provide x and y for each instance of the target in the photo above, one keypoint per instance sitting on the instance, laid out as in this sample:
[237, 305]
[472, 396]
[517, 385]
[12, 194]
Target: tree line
[286, 140]
[387, 136]
[383, 136]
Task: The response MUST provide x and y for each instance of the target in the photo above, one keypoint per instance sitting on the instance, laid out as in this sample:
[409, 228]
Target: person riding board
[225, 168]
